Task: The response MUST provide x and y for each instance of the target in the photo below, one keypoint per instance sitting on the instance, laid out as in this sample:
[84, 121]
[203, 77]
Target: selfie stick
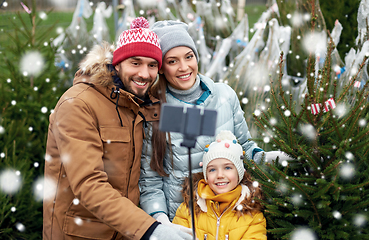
[191, 122]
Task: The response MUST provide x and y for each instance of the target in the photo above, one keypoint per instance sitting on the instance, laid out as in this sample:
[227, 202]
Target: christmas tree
[29, 88]
[324, 192]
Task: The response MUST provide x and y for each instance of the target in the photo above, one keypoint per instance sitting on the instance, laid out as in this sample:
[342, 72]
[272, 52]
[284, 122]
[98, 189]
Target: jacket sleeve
[152, 197]
[182, 216]
[241, 129]
[81, 151]
[257, 229]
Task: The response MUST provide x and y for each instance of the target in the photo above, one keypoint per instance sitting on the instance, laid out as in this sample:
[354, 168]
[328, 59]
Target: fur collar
[245, 192]
[94, 65]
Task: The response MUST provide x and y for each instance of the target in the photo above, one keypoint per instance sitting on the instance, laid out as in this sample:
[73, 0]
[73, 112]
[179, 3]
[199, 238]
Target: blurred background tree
[30, 86]
[346, 13]
[323, 193]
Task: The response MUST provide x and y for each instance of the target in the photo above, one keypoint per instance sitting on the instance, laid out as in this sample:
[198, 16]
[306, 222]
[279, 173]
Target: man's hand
[163, 219]
[163, 232]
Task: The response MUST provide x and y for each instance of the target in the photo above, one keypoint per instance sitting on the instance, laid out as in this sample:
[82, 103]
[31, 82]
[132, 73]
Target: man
[95, 141]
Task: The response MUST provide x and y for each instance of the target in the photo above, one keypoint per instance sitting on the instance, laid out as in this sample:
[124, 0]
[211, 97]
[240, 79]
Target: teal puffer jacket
[163, 194]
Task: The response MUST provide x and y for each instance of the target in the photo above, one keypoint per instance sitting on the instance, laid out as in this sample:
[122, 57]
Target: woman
[180, 83]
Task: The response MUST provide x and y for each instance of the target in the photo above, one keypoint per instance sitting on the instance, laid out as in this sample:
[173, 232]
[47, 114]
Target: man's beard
[129, 88]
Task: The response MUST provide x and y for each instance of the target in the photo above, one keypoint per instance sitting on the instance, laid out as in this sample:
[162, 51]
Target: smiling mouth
[221, 184]
[185, 76]
[141, 84]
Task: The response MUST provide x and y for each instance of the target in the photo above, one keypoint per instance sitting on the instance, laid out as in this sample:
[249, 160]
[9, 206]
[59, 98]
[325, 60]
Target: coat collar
[245, 192]
[96, 70]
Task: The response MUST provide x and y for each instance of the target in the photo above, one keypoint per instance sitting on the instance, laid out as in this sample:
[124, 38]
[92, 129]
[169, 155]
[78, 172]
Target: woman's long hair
[158, 141]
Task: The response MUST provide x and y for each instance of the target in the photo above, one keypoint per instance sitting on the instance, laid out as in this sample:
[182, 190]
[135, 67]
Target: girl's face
[222, 175]
[180, 68]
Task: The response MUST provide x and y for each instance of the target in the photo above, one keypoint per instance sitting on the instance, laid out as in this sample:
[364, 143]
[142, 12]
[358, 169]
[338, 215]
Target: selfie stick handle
[191, 122]
[191, 194]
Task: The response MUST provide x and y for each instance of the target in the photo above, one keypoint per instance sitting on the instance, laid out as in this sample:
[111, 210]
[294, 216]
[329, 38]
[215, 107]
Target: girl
[226, 204]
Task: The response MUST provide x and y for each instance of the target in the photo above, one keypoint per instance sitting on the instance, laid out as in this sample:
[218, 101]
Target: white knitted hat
[225, 146]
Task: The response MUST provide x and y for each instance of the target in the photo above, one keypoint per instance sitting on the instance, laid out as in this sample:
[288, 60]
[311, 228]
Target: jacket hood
[243, 205]
[95, 66]
[96, 69]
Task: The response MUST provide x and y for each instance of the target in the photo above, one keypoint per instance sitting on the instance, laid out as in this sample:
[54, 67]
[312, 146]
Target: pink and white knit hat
[225, 146]
[138, 41]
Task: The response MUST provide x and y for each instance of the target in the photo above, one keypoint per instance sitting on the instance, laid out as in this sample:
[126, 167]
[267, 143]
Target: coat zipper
[218, 221]
[115, 236]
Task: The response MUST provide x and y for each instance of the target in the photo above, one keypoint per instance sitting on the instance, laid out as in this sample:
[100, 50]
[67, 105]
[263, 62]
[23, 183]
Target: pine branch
[360, 205]
[284, 176]
[25, 32]
[356, 115]
[361, 145]
[309, 157]
[323, 190]
[331, 167]
[355, 187]
[335, 127]
[326, 72]
[346, 88]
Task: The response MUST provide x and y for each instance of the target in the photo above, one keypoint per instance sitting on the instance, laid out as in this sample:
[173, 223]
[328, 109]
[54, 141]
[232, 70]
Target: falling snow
[341, 110]
[303, 234]
[360, 220]
[10, 181]
[308, 131]
[347, 170]
[315, 43]
[44, 188]
[337, 215]
[20, 227]
[2, 130]
[32, 63]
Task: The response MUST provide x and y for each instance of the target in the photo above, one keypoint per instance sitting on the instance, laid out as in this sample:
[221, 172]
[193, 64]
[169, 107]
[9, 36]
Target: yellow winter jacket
[232, 224]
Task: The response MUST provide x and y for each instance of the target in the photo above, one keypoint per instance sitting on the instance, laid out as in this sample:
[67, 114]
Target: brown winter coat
[92, 162]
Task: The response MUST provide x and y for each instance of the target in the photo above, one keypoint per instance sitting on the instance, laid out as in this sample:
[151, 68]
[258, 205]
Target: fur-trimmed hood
[96, 70]
[95, 65]
[246, 204]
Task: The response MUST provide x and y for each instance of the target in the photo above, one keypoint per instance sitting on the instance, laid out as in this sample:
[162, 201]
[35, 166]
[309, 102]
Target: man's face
[138, 74]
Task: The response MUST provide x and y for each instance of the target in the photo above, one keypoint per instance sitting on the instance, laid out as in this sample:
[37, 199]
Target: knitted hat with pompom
[225, 146]
[174, 34]
[138, 41]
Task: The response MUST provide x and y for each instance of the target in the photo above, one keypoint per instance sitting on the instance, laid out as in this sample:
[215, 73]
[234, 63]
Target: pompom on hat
[225, 146]
[173, 34]
[138, 41]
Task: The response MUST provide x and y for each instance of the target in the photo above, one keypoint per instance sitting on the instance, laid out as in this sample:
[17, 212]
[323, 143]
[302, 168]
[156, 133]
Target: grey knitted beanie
[173, 34]
[225, 146]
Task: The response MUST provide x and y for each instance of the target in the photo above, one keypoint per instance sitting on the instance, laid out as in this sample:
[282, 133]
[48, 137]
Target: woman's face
[180, 68]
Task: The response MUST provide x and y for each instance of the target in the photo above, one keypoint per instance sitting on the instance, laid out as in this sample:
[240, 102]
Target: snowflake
[347, 171]
[10, 181]
[303, 233]
[32, 63]
[337, 214]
